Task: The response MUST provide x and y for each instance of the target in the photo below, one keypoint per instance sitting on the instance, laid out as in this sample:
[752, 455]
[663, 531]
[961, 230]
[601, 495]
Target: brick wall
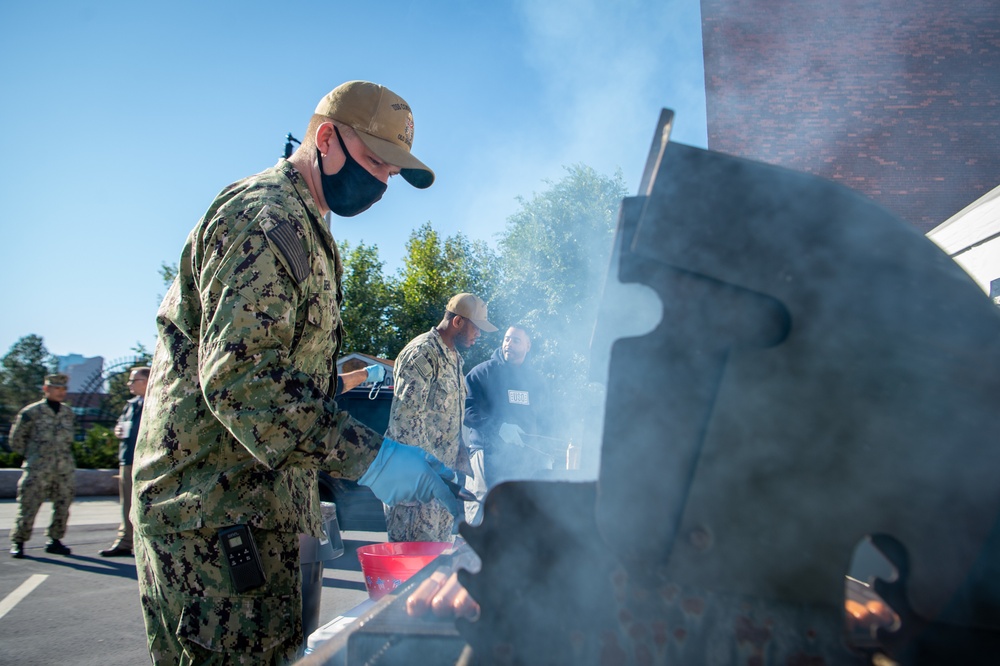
[899, 99]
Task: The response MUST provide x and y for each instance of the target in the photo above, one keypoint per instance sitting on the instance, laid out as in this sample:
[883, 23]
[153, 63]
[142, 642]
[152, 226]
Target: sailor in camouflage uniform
[239, 411]
[43, 434]
[427, 407]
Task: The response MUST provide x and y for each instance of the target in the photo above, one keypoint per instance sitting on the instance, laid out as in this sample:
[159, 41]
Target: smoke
[788, 402]
[603, 73]
[607, 69]
[820, 373]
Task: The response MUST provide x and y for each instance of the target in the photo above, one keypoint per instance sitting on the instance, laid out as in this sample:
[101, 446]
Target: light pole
[288, 144]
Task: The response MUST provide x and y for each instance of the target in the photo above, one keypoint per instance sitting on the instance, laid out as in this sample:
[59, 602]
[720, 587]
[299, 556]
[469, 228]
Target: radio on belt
[241, 554]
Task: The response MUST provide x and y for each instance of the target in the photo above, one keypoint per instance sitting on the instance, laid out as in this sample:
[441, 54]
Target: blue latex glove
[376, 373]
[402, 473]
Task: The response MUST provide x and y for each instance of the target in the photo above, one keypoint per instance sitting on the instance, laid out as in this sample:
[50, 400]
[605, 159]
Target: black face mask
[351, 190]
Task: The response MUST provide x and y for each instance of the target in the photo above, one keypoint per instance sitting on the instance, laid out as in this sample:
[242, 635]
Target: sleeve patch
[423, 366]
[282, 235]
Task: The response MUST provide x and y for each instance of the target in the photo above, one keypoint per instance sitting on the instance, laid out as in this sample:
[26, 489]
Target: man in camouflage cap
[239, 412]
[427, 407]
[43, 434]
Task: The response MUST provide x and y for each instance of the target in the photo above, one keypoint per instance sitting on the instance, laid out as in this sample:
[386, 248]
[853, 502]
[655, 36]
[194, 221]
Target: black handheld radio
[245, 567]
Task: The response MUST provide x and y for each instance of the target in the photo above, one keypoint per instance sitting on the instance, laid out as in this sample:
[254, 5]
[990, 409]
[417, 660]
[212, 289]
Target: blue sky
[122, 120]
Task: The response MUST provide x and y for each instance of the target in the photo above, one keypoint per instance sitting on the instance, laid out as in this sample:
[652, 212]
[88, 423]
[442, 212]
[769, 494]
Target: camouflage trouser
[192, 613]
[34, 488]
[420, 522]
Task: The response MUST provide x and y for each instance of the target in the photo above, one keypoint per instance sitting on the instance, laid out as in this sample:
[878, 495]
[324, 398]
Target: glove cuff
[384, 453]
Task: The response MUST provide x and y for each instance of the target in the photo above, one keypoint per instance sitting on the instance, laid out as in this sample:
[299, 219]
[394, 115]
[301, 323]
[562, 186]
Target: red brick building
[899, 99]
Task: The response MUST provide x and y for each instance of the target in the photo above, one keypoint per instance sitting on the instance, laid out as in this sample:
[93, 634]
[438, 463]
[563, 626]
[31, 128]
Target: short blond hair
[309, 140]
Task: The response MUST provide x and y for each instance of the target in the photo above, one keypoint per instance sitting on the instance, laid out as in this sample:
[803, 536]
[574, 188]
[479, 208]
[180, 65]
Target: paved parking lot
[84, 609]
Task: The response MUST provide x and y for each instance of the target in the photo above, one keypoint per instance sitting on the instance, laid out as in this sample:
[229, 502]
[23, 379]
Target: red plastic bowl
[387, 565]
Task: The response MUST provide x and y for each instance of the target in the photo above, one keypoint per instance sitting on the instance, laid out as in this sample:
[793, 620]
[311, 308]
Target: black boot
[55, 546]
[17, 550]
[117, 550]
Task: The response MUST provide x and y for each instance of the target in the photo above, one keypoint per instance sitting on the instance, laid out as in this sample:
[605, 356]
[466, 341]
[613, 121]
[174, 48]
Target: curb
[88, 482]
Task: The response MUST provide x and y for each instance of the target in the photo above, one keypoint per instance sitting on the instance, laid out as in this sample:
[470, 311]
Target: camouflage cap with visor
[58, 380]
[384, 123]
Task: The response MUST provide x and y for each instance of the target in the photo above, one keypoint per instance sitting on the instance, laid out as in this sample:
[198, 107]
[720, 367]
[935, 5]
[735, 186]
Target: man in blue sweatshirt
[507, 403]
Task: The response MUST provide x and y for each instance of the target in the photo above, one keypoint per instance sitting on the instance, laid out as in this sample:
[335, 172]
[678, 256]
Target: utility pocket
[237, 624]
[321, 310]
[316, 349]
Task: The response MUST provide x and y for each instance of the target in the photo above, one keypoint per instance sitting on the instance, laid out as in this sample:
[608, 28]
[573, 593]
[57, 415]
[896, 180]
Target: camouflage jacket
[44, 438]
[429, 397]
[239, 412]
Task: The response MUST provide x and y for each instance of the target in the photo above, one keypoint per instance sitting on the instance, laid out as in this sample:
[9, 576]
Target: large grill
[824, 379]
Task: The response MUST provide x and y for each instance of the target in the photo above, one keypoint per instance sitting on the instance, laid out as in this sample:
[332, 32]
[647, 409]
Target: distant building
[86, 391]
[972, 239]
[898, 99]
[84, 373]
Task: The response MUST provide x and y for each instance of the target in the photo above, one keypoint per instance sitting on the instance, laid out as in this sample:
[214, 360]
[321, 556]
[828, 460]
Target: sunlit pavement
[84, 609]
[84, 511]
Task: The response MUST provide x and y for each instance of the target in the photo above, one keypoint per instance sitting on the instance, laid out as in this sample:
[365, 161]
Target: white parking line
[14, 598]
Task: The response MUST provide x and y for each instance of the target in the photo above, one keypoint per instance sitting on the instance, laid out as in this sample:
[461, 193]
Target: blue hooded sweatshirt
[499, 393]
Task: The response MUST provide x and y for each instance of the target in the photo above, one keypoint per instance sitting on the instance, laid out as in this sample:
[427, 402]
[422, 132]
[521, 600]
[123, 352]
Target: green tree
[423, 285]
[555, 253]
[477, 268]
[118, 392]
[98, 450]
[168, 272]
[22, 373]
[434, 270]
[368, 302]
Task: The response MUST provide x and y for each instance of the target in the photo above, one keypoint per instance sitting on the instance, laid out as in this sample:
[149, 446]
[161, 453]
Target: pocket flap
[239, 624]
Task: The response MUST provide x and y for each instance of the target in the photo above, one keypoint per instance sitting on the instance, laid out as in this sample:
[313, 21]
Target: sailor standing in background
[127, 430]
[427, 406]
[507, 400]
[43, 434]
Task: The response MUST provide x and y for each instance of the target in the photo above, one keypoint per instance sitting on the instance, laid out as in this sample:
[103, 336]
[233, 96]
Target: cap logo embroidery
[407, 136]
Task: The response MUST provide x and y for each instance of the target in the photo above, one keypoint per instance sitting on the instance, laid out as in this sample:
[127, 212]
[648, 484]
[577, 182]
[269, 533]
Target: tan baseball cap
[384, 123]
[472, 308]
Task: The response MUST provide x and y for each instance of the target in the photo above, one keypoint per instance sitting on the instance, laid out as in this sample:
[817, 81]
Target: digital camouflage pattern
[239, 417]
[214, 625]
[427, 407]
[239, 412]
[45, 439]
